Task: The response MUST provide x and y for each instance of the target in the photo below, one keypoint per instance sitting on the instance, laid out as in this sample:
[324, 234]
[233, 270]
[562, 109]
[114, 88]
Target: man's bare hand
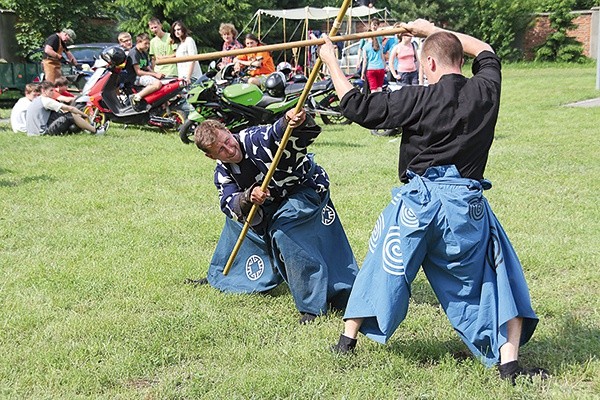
[328, 52]
[258, 196]
[295, 120]
[420, 27]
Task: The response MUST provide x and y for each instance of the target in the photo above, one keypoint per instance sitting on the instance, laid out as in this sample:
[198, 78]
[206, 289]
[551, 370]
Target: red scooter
[108, 99]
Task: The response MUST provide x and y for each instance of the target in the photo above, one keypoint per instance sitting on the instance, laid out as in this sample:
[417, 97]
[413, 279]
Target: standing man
[296, 218]
[46, 116]
[139, 71]
[161, 46]
[54, 47]
[440, 219]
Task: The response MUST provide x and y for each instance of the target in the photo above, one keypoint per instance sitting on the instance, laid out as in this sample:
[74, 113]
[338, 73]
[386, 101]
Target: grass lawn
[97, 235]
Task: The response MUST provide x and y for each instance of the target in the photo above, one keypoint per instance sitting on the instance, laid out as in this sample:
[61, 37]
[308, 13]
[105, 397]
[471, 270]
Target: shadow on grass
[330, 143]
[24, 181]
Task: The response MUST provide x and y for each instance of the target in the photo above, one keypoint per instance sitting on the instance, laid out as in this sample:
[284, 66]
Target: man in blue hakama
[297, 230]
[439, 219]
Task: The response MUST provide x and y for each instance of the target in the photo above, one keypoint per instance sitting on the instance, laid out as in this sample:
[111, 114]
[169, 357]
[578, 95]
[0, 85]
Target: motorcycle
[237, 105]
[240, 105]
[104, 98]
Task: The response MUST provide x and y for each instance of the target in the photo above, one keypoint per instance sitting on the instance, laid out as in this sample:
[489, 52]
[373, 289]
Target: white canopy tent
[315, 13]
[306, 14]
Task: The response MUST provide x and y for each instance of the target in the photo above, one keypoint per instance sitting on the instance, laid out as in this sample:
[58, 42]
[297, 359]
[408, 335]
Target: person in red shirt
[258, 65]
[60, 91]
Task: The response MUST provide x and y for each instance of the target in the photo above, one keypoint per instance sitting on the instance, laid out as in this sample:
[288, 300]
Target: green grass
[97, 235]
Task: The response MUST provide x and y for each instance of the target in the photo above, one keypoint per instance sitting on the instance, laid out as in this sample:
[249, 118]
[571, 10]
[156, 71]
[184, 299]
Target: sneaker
[307, 318]
[103, 128]
[512, 370]
[344, 346]
[135, 103]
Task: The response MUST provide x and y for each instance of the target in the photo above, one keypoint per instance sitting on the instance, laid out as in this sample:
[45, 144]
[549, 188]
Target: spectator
[189, 71]
[125, 41]
[406, 60]
[373, 64]
[161, 47]
[61, 92]
[258, 65]
[230, 42]
[18, 114]
[296, 216]
[54, 47]
[139, 71]
[46, 116]
[440, 219]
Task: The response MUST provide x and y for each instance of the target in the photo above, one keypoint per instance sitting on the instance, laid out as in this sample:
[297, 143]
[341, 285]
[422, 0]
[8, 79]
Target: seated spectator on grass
[18, 114]
[61, 93]
[46, 116]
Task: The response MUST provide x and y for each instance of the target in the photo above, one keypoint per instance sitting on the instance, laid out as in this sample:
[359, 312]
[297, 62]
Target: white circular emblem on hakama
[327, 215]
[393, 260]
[255, 267]
[408, 217]
[376, 233]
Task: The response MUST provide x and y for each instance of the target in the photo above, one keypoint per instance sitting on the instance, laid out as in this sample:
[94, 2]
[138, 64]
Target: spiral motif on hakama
[376, 233]
[393, 260]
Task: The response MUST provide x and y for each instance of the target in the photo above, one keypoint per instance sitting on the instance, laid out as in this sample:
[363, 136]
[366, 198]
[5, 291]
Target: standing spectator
[439, 219]
[230, 42]
[161, 47]
[373, 67]
[258, 65]
[406, 60]
[189, 71]
[18, 114]
[139, 71]
[296, 216]
[125, 41]
[54, 47]
[46, 116]
[373, 26]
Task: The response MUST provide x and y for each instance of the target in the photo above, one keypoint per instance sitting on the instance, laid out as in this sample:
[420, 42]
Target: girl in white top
[185, 46]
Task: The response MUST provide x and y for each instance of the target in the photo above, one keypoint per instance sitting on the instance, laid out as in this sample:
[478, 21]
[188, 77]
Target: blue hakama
[444, 223]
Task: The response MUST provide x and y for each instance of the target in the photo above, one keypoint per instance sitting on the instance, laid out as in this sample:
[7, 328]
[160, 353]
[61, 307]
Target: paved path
[586, 103]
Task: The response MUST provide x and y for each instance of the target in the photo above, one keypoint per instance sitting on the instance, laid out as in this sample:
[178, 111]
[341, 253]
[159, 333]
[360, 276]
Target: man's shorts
[145, 80]
[59, 123]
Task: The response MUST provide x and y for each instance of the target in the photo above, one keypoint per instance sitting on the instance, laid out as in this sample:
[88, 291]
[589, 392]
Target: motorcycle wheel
[333, 102]
[186, 131]
[176, 116]
[96, 117]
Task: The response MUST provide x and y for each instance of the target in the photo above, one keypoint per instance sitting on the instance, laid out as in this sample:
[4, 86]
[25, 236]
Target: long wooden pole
[284, 140]
[282, 46]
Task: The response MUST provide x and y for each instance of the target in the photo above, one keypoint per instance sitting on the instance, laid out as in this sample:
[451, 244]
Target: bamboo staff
[284, 139]
[282, 46]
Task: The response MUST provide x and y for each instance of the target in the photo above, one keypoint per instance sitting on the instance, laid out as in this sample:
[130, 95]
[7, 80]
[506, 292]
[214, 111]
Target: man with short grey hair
[54, 47]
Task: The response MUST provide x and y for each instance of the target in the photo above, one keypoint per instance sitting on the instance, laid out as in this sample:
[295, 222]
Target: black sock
[344, 345]
[512, 370]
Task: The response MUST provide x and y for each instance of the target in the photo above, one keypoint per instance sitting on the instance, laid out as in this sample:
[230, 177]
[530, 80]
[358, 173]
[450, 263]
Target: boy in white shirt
[19, 111]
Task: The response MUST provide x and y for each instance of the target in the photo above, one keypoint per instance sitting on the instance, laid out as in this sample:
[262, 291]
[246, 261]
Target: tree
[39, 18]
[559, 46]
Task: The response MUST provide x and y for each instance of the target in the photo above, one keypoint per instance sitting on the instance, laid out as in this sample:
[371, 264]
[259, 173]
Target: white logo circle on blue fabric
[393, 260]
[476, 209]
[408, 217]
[327, 215]
[255, 267]
[376, 233]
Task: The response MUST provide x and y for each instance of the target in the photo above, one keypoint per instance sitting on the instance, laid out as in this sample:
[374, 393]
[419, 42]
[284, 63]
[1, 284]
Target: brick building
[586, 32]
